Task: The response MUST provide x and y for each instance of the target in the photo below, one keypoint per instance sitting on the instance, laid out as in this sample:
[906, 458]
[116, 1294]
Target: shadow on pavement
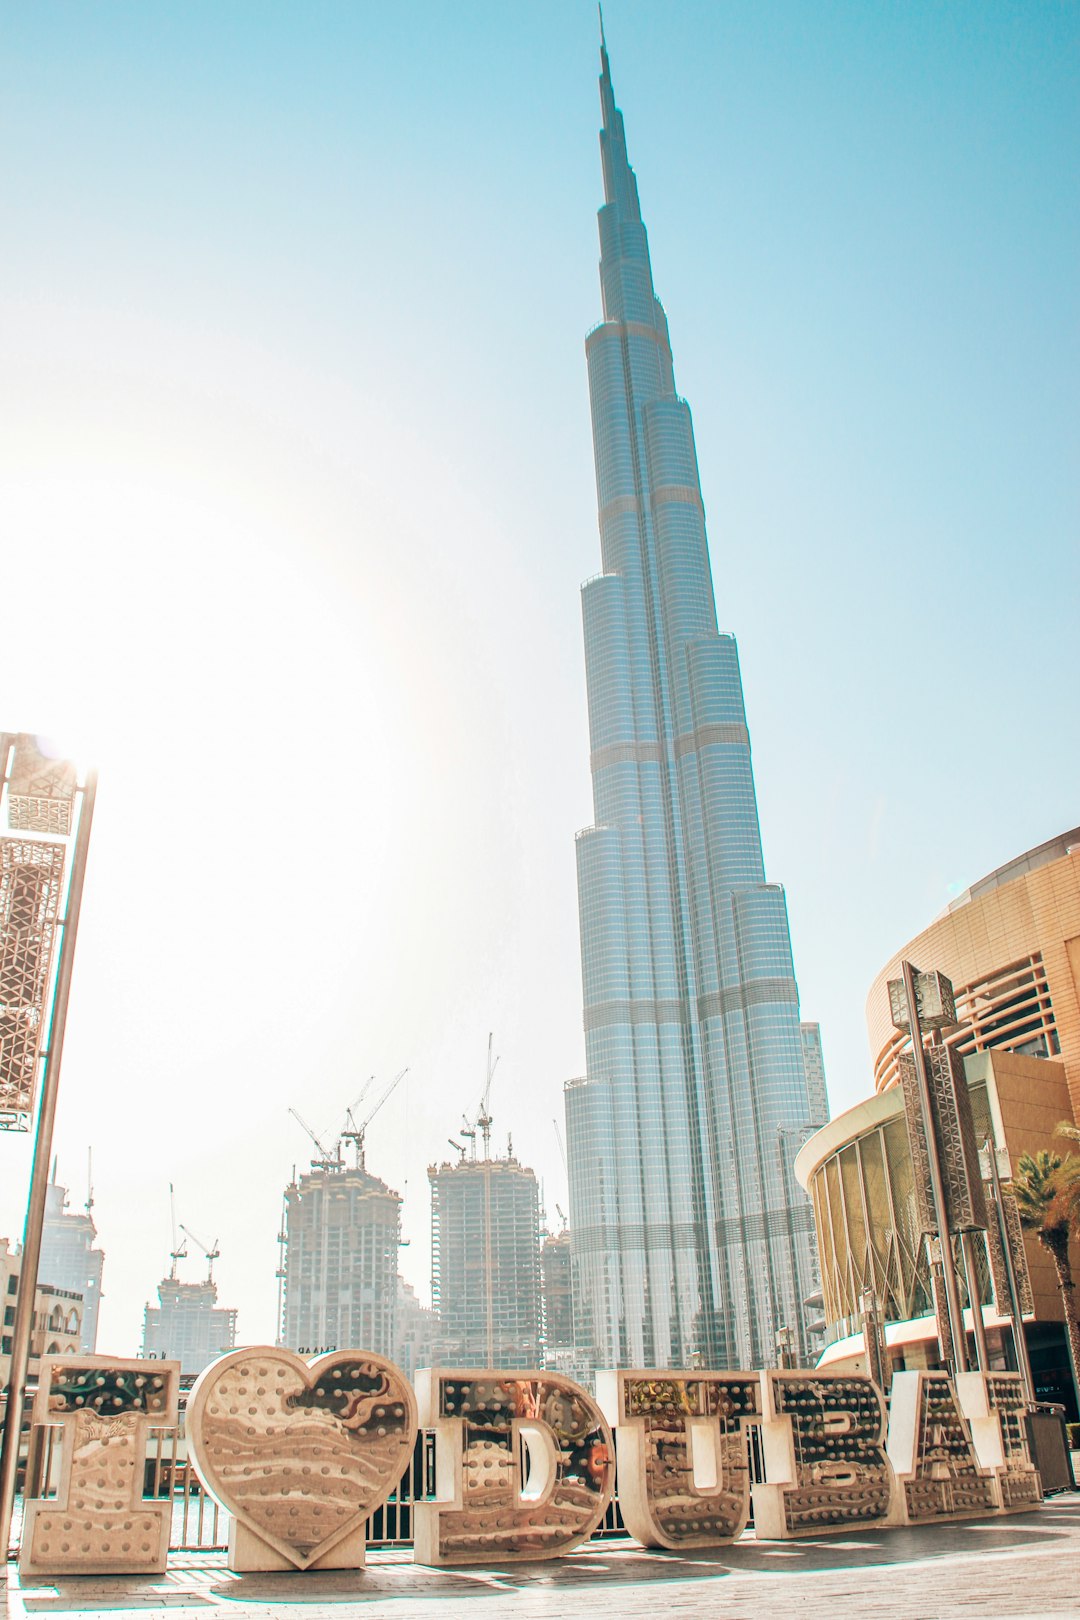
[603, 1565]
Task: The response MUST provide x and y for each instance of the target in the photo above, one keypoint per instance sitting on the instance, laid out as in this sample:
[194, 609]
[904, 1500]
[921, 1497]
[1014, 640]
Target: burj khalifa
[692, 1242]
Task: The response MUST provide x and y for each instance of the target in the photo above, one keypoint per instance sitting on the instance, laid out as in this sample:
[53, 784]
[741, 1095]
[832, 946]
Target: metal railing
[199, 1525]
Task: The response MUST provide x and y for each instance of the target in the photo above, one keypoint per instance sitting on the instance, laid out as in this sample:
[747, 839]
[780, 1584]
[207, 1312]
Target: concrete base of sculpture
[938, 1475]
[99, 1522]
[823, 1441]
[492, 1506]
[249, 1554]
[300, 1453]
[65, 1541]
[680, 1438]
[994, 1406]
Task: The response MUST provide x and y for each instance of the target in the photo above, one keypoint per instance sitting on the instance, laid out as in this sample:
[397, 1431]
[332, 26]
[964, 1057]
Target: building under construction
[187, 1324]
[485, 1262]
[340, 1233]
[485, 1253]
[557, 1299]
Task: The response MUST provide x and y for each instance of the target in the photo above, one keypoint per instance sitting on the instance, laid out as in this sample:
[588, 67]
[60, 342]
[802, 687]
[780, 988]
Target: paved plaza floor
[1025, 1565]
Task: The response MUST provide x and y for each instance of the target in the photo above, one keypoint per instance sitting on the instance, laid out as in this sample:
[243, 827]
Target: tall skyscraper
[416, 1331]
[485, 1262]
[814, 1064]
[691, 1237]
[341, 1236]
[188, 1325]
[70, 1259]
[557, 1295]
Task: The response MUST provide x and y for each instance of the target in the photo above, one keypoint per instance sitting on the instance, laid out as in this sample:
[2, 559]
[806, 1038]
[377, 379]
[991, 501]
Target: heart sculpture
[301, 1453]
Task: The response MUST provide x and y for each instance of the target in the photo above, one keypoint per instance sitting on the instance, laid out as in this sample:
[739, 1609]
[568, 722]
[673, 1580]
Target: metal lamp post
[22, 1328]
[785, 1348]
[1023, 1360]
[878, 1363]
[906, 1014]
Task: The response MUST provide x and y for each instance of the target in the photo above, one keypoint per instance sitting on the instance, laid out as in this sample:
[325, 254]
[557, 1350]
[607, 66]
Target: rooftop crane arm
[326, 1160]
[483, 1118]
[178, 1250]
[211, 1253]
[356, 1132]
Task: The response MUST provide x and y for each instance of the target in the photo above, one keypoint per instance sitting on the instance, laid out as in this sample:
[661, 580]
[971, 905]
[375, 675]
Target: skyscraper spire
[690, 1235]
[620, 186]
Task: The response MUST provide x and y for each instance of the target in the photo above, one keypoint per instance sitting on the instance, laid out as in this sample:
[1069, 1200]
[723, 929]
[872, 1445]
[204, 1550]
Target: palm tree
[1071, 1168]
[1046, 1189]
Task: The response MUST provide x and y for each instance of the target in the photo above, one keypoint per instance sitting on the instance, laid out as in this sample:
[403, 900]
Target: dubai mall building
[1011, 946]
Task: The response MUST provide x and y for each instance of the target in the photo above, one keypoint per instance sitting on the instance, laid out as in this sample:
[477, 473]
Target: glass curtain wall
[691, 1238]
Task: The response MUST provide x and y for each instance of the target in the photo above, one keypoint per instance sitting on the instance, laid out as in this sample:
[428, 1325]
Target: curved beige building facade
[1011, 946]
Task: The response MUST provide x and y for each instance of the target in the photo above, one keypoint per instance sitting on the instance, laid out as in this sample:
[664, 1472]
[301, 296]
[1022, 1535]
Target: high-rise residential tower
[485, 1262]
[188, 1324]
[557, 1296]
[341, 1236]
[691, 1237]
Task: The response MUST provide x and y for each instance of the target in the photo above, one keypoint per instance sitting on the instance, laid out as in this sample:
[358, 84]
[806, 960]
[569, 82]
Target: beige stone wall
[1033, 1096]
[1038, 911]
[52, 1306]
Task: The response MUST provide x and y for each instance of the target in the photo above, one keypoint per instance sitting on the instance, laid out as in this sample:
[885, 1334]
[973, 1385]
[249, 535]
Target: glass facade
[814, 1065]
[690, 1235]
[868, 1226]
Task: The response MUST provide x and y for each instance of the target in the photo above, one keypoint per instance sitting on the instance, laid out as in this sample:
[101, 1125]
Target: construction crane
[178, 1250]
[483, 1118]
[364, 1089]
[326, 1159]
[211, 1253]
[355, 1133]
[562, 1144]
[561, 1216]
[482, 1122]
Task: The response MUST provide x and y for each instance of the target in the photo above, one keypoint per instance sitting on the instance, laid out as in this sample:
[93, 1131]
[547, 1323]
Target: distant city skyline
[298, 492]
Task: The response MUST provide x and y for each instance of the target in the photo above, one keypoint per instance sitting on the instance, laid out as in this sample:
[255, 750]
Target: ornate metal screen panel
[41, 791]
[934, 1001]
[31, 881]
[920, 1158]
[998, 1273]
[954, 1129]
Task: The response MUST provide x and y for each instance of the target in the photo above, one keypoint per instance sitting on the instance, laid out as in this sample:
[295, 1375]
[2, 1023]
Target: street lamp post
[22, 1327]
[978, 1326]
[878, 1364]
[1023, 1360]
[944, 1264]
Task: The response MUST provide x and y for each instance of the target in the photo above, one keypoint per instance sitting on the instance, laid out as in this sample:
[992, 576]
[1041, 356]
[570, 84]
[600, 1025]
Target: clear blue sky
[299, 495]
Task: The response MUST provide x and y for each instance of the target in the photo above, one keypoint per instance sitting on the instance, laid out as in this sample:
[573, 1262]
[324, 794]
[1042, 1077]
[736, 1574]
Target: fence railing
[198, 1524]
